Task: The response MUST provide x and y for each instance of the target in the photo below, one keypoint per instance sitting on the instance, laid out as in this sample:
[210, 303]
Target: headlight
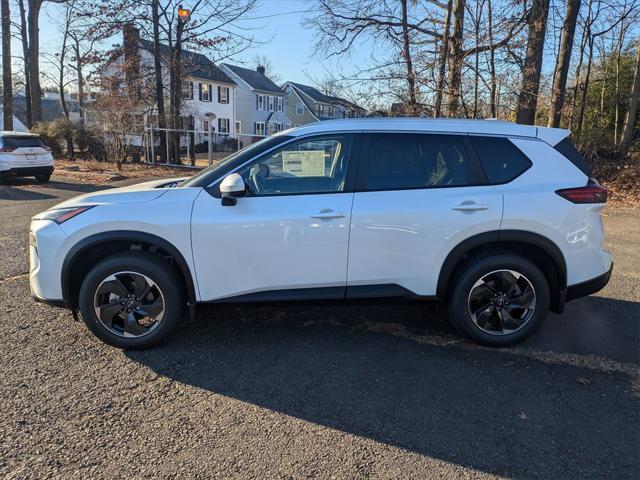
[61, 215]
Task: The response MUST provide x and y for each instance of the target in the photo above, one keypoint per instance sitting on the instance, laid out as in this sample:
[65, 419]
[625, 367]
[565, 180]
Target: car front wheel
[132, 300]
[44, 178]
[499, 299]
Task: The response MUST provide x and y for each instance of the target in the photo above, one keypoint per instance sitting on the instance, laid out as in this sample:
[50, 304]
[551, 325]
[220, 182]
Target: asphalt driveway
[353, 391]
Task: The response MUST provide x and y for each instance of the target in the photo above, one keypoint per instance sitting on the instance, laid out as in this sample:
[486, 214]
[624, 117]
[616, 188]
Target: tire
[130, 270]
[482, 282]
[44, 178]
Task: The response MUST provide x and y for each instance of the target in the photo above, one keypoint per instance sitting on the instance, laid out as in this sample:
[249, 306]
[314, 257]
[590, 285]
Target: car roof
[433, 125]
[13, 133]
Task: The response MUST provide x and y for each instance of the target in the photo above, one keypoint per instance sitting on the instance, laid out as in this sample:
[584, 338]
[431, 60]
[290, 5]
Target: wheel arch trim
[125, 235]
[498, 237]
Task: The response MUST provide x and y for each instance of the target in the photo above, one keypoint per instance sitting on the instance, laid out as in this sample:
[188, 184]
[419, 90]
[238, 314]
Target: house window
[238, 126]
[205, 127]
[278, 127]
[259, 102]
[223, 94]
[259, 128]
[271, 103]
[223, 125]
[187, 90]
[300, 108]
[280, 103]
[205, 92]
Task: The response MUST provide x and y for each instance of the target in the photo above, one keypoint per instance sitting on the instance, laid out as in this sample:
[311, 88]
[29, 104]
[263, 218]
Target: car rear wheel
[132, 300]
[499, 299]
[44, 178]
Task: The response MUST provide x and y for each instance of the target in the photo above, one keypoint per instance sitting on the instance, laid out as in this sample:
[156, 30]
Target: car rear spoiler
[552, 136]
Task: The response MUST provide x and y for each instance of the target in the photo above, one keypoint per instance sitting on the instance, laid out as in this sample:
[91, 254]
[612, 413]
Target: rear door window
[399, 161]
[501, 159]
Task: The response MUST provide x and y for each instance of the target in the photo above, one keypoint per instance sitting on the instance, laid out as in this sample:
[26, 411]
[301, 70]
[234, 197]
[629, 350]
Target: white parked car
[500, 221]
[24, 155]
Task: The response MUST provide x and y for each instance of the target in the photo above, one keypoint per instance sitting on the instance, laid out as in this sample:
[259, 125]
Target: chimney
[260, 69]
[131, 48]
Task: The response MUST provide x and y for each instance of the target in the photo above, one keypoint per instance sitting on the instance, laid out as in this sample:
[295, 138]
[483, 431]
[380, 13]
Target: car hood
[140, 192]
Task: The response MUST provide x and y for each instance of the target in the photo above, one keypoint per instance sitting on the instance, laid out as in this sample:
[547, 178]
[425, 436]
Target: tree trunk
[25, 55]
[80, 78]
[455, 59]
[406, 53]
[585, 91]
[444, 52]
[476, 76]
[162, 123]
[7, 81]
[632, 110]
[492, 66]
[34, 59]
[63, 100]
[528, 98]
[562, 63]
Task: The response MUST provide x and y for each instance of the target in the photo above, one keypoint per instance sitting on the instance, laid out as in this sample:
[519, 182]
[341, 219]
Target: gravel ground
[354, 391]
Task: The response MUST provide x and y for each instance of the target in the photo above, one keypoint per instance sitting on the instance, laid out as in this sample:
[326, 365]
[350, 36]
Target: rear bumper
[28, 171]
[590, 286]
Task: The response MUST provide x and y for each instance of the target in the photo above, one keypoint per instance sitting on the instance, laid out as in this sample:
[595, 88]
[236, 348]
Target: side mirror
[232, 187]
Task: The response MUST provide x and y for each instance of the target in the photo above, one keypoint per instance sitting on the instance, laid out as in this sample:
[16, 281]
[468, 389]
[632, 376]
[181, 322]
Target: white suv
[24, 155]
[501, 221]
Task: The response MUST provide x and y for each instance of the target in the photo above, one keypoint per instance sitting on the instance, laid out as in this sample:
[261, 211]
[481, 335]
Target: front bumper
[51, 303]
[46, 253]
[590, 286]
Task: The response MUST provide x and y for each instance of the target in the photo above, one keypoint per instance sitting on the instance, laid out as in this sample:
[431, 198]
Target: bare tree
[563, 61]
[261, 60]
[528, 98]
[630, 123]
[442, 62]
[7, 80]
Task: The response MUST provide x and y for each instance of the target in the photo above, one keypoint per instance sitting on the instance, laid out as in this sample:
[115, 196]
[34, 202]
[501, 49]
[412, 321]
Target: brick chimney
[131, 48]
[260, 69]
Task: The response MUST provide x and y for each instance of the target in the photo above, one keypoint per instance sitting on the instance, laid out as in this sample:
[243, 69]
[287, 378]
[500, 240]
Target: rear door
[418, 196]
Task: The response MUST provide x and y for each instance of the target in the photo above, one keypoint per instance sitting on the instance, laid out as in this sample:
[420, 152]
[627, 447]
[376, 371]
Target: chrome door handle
[470, 207]
[328, 215]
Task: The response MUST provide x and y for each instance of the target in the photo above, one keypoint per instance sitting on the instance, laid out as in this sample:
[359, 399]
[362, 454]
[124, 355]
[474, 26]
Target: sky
[290, 46]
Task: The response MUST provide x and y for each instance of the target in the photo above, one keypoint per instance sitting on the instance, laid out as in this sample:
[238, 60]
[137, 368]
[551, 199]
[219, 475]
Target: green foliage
[605, 105]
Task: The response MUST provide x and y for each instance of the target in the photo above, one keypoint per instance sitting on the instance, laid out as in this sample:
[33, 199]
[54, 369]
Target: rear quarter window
[566, 148]
[501, 159]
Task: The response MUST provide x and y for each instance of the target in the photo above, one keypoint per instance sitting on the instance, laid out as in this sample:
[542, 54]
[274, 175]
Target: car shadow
[399, 376]
[18, 194]
[32, 186]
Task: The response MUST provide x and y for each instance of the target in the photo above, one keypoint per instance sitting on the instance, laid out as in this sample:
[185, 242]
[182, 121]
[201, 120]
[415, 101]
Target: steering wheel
[256, 174]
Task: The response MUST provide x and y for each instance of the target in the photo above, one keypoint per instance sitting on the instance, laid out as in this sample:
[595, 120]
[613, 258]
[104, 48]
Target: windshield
[213, 172]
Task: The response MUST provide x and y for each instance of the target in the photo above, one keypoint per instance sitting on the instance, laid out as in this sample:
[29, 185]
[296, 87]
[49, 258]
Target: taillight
[593, 192]
[7, 149]
[48, 149]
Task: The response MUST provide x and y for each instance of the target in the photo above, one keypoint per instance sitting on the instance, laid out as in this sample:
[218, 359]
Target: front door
[288, 237]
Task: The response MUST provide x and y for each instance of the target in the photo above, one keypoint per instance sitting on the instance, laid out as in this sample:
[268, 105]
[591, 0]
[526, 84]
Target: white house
[260, 103]
[208, 97]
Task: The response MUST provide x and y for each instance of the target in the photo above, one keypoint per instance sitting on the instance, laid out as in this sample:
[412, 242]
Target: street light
[184, 14]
